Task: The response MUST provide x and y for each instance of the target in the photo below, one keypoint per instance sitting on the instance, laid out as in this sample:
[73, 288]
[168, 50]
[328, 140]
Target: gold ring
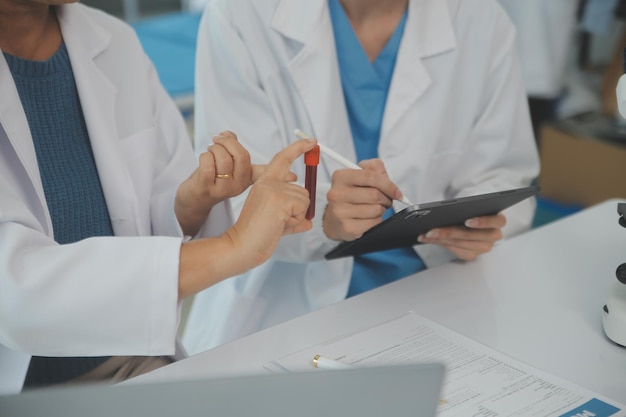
[223, 176]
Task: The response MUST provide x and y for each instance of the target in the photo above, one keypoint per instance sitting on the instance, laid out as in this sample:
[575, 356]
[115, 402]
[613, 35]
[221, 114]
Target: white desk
[537, 297]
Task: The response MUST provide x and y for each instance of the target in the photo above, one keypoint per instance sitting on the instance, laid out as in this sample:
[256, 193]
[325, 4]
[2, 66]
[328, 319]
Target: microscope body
[614, 314]
[614, 311]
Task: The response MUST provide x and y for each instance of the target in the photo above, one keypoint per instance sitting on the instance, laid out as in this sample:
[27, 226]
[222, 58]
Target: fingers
[373, 175]
[375, 165]
[485, 222]
[381, 179]
[279, 166]
[231, 157]
[259, 170]
[489, 230]
[206, 168]
[224, 171]
[357, 200]
[466, 245]
[223, 164]
[356, 187]
[272, 209]
[348, 230]
[478, 236]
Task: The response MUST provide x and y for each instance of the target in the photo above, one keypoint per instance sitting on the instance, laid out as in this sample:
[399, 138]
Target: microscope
[614, 311]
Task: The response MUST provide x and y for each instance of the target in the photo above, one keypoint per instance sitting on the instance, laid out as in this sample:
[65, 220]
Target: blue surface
[170, 42]
[549, 211]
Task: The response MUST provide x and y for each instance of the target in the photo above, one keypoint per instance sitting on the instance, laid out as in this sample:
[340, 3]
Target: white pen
[325, 363]
[342, 160]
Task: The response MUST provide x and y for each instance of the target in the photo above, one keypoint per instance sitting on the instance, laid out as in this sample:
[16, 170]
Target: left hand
[224, 171]
[467, 242]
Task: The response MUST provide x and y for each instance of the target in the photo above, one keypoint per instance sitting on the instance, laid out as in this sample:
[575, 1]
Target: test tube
[311, 160]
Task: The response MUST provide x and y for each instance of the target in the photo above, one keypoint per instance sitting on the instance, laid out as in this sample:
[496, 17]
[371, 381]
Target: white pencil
[342, 160]
[325, 363]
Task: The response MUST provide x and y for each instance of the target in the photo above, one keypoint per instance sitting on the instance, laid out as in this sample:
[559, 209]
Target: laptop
[390, 391]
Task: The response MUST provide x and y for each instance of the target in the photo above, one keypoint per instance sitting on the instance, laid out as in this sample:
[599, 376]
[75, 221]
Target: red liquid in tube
[311, 160]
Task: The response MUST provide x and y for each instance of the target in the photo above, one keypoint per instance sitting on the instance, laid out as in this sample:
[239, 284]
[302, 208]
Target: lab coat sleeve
[99, 296]
[230, 95]
[104, 295]
[173, 167]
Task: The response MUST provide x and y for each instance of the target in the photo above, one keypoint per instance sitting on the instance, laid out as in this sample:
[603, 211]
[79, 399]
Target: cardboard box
[583, 160]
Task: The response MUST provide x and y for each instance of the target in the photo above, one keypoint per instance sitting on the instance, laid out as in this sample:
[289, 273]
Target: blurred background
[571, 56]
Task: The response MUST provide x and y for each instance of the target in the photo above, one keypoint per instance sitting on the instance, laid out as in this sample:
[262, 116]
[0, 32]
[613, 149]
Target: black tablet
[403, 228]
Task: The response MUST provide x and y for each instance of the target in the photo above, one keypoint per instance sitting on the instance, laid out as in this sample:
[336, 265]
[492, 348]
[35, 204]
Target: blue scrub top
[365, 89]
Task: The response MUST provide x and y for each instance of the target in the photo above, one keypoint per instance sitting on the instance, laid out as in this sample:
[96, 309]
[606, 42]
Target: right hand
[273, 208]
[358, 199]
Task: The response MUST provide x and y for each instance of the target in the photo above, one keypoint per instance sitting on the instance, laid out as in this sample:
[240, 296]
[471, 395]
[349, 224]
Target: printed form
[479, 382]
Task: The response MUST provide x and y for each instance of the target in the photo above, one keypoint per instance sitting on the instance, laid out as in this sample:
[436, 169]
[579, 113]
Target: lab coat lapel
[85, 41]
[315, 72]
[428, 32]
[15, 125]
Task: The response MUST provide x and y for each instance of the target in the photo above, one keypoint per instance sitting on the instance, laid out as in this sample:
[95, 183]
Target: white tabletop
[537, 297]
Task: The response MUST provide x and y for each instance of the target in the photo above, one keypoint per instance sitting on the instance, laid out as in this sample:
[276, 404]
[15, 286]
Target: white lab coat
[545, 30]
[104, 295]
[456, 124]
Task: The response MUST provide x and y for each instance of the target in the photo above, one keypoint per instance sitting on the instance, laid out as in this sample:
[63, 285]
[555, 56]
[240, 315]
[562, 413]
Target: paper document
[480, 381]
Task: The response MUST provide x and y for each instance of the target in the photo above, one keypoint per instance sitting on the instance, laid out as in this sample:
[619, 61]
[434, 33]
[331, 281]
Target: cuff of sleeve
[166, 308]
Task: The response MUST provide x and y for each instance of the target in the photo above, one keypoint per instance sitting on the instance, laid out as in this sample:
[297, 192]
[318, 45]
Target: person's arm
[272, 209]
[118, 295]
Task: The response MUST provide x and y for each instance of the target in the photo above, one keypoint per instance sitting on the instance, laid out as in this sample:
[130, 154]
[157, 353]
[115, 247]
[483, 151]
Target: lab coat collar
[431, 27]
[299, 20]
[13, 119]
[429, 22]
[314, 70]
[14, 127]
[92, 38]
[428, 32]
[314, 66]
[86, 41]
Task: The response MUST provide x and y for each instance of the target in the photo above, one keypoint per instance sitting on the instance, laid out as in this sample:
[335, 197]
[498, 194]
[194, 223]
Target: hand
[274, 208]
[358, 199]
[224, 171]
[467, 242]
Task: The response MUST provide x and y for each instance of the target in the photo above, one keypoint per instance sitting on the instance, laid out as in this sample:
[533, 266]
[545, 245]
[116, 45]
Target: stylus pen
[325, 363]
[342, 160]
